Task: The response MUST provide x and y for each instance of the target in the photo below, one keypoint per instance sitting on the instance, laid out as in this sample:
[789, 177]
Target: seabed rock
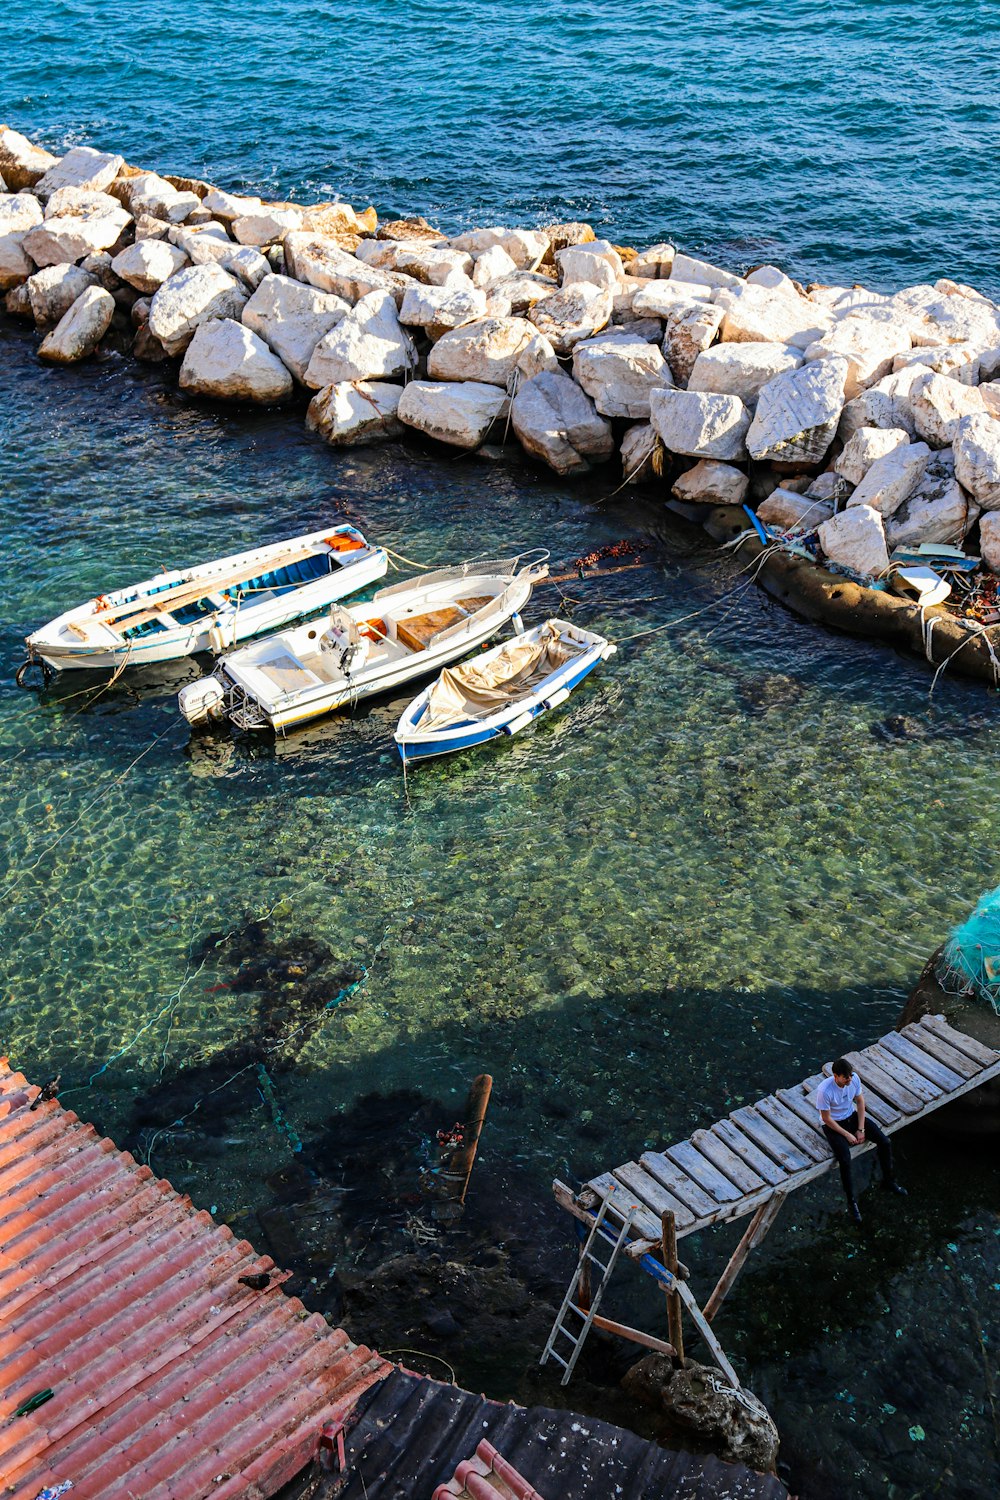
[700, 1411]
[459, 413]
[80, 330]
[557, 422]
[362, 411]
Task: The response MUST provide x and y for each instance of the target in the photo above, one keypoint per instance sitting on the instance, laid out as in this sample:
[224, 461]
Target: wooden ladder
[576, 1333]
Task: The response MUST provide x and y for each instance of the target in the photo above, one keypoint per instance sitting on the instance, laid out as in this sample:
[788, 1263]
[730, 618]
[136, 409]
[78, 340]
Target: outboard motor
[202, 702]
[343, 639]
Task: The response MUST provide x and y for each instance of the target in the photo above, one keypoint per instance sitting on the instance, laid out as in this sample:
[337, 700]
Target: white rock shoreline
[857, 420]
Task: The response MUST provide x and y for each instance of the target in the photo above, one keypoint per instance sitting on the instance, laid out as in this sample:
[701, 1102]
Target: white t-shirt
[839, 1101]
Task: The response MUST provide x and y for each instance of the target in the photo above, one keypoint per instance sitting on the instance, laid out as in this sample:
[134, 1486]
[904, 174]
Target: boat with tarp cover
[500, 692]
[410, 630]
[210, 606]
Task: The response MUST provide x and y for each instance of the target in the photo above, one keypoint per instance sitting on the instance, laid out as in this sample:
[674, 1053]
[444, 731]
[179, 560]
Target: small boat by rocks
[211, 606]
[409, 630]
[501, 691]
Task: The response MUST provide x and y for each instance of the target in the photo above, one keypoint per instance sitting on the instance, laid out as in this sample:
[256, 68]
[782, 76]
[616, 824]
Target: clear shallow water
[708, 876]
[851, 140]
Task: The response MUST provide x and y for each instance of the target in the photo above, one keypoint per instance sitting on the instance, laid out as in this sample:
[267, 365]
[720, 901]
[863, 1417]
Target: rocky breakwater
[855, 422]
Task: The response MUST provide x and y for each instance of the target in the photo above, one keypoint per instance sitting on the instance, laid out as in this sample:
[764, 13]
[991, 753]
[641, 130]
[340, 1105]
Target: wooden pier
[748, 1163]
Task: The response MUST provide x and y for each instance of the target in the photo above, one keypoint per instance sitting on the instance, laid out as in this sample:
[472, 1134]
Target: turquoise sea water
[719, 866]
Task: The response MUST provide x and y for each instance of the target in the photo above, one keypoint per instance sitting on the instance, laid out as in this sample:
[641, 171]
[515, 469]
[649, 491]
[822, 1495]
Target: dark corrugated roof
[409, 1435]
[170, 1379]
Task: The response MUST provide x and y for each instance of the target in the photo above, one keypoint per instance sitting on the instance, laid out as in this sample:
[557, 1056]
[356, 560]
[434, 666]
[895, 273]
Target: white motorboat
[501, 691]
[410, 630]
[211, 606]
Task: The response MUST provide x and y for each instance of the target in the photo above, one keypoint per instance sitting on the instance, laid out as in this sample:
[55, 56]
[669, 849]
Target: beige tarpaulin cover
[479, 688]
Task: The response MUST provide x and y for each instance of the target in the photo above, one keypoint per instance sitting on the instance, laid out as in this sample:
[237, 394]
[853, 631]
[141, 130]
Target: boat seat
[416, 631]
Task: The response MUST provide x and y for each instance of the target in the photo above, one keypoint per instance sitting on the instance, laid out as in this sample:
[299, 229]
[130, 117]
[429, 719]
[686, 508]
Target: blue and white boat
[501, 691]
[212, 605]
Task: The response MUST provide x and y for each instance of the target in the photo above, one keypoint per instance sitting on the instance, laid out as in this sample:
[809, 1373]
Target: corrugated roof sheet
[170, 1380]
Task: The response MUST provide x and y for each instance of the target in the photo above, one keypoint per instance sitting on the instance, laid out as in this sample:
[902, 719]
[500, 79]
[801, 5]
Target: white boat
[211, 606]
[501, 691]
[410, 630]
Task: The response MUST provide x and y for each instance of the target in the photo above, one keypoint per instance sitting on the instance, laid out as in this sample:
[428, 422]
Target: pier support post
[668, 1235]
[756, 1231]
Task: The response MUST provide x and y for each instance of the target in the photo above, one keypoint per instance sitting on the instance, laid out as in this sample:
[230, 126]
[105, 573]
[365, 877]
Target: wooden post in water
[668, 1236]
[475, 1114]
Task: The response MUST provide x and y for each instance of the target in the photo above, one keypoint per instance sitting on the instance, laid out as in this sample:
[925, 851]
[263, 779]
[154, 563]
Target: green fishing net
[970, 959]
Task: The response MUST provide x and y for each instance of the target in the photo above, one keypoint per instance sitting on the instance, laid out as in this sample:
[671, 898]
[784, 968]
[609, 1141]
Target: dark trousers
[841, 1148]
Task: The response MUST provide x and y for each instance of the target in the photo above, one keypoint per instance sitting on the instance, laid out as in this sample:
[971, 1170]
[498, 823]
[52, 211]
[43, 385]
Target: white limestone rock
[493, 264]
[536, 356]
[526, 247]
[432, 265]
[960, 361]
[892, 478]
[367, 343]
[353, 412]
[596, 263]
[700, 424]
[230, 206]
[687, 333]
[488, 350]
[291, 317]
[977, 459]
[885, 404]
[322, 262]
[248, 265]
[53, 290]
[147, 264]
[939, 510]
[618, 374]
[557, 422]
[208, 245]
[798, 412]
[19, 212]
[855, 539]
[70, 237]
[790, 511]
[773, 278]
[228, 362]
[80, 330]
[989, 540]
[760, 314]
[266, 225]
[658, 299]
[156, 198]
[867, 445]
[653, 264]
[22, 163]
[741, 369]
[939, 403]
[569, 316]
[459, 413]
[522, 290]
[868, 346]
[702, 273]
[189, 298]
[84, 203]
[438, 308]
[83, 167]
[642, 454]
[712, 483]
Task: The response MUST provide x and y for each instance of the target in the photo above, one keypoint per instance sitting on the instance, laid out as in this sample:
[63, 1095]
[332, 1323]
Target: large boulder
[798, 412]
[989, 540]
[869, 346]
[291, 317]
[53, 290]
[558, 423]
[209, 245]
[19, 213]
[619, 373]
[696, 1411]
[228, 362]
[866, 446]
[350, 412]
[702, 272]
[642, 454]
[147, 264]
[760, 314]
[597, 263]
[189, 298]
[741, 369]
[939, 403]
[700, 424]
[892, 478]
[790, 511]
[522, 289]
[938, 510]
[654, 263]
[22, 163]
[658, 299]
[460, 413]
[688, 332]
[489, 350]
[855, 539]
[568, 317]
[977, 459]
[526, 247]
[492, 266]
[266, 225]
[83, 167]
[322, 262]
[711, 483]
[150, 194]
[69, 237]
[438, 308]
[80, 330]
[367, 343]
[885, 404]
[432, 265]
[84, 203]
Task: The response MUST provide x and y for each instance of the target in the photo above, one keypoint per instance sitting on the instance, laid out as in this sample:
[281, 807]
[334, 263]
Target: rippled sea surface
[721, 864]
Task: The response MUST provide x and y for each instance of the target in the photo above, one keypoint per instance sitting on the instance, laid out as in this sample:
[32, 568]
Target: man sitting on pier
[841, 1106]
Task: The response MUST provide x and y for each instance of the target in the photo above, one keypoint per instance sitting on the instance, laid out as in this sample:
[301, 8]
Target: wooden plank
[643, 1222]
[804, 1136]
[979, 1053]
[928, 1041]
[652, 1193]
[720, 1155]
[921, 1062]
[803, 1102]
[634, 1335]
[888, 1088]
[678, 1183]
[768, 1139]
[705, 1329]
[715, 1183]
[918, 1085]
[744, 1148]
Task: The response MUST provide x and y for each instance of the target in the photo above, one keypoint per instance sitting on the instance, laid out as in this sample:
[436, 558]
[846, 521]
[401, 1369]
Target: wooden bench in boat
[416, 631]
